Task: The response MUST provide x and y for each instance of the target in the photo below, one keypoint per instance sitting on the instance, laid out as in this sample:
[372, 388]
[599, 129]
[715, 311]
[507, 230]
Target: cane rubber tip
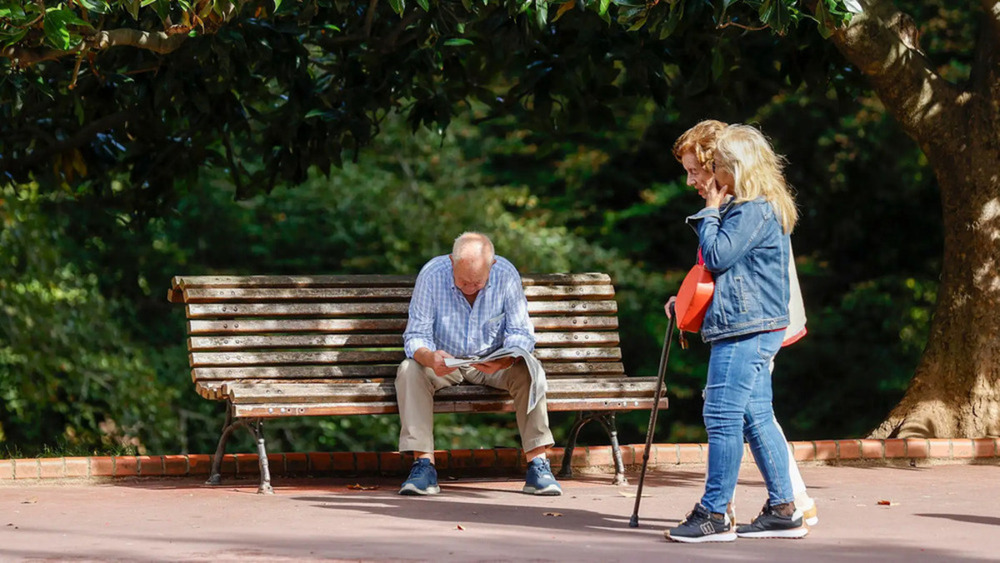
[633, 522]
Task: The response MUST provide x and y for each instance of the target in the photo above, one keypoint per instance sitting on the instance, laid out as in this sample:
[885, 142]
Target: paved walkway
[937, 513]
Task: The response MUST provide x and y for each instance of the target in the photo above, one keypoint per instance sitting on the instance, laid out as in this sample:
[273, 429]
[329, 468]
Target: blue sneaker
[540, 480]
[423, 479]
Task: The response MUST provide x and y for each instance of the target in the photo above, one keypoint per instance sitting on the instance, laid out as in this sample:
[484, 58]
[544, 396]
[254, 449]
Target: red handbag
[694, 297]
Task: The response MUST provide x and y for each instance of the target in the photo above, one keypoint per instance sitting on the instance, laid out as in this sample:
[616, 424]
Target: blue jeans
[737, 406]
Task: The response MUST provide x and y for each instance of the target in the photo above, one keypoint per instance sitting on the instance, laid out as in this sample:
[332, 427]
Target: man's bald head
[472, 256]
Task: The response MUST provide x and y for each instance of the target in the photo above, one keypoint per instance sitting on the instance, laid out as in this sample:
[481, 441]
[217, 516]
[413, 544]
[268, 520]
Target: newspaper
[538, 383]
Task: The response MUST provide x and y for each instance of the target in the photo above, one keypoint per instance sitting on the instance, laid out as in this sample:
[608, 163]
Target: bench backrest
[349, 328]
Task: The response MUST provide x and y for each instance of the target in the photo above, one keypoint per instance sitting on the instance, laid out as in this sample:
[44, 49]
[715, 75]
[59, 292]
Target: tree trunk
[956, 389]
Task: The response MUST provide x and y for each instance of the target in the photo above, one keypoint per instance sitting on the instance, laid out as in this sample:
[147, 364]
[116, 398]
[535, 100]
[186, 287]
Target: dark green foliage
[554, 138]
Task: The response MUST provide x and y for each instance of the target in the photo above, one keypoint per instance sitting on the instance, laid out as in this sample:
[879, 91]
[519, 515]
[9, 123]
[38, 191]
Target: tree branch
[884, 44]
[155, 41]
[83, 136]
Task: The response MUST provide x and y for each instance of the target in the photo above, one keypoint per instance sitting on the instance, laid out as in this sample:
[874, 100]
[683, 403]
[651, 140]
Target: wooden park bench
[279, 346]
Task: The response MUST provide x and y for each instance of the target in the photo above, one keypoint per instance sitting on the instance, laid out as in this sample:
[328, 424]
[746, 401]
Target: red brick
[803, 451]
[600, 456]
[247, 464]
[150, 465]
[460, 459]
[639, 451]
[320, 462]
[690, 453]
[628, 455]
[52, 468]
[917, 448]
[660, 454]
[442, 459]
[895, 448]
[296, 464]
[555, 456]
[199, 464]
[26, 469]
[826, 450]
[872, 449]
[984, 447]
[367, 462]
[76, 467]
[343, 462]
[509, 458]
[175, 465]
[579, 457]
[276, 464]
[228, 465]
[484, 459]
[849, 449]
[962, 449]
[102, 467]
[126, 466]
[390, 462]
[940, 448]
[6, 469]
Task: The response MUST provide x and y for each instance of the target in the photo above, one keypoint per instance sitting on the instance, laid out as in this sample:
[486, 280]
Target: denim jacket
[747, 251]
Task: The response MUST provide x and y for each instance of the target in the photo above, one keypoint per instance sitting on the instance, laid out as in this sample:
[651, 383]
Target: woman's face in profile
[697, 176]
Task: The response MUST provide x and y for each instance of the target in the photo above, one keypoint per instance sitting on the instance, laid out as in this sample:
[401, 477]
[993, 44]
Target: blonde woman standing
[744, 234]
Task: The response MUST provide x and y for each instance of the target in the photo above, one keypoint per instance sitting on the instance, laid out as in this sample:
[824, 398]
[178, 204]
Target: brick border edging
[497, 460]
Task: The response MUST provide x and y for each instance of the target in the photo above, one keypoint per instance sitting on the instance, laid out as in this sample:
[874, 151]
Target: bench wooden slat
[639, 396]
[250, 326]
[464, 406]
[227, 343]
[302, 392]
[191, 282]
[204, 359]
[216, 295]
[223, 343]
[233, 310]
[552, 369]
[304, 325]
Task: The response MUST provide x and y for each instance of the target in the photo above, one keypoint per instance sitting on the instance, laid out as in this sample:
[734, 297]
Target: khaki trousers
[415, 388]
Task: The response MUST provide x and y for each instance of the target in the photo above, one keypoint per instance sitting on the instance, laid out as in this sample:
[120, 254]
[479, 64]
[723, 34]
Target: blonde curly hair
[700, 140]
[745, 152]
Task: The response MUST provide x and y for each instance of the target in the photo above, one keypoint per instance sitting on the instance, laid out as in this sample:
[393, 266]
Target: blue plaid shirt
[442, 319]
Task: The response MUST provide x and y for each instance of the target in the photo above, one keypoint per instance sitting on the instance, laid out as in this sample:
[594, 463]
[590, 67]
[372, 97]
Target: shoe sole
[550, 491]
[729, 536]
[810, 516]
[792, 533]
[412, 490]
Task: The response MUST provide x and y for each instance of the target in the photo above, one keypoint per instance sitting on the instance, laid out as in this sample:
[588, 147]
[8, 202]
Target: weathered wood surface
[255, 342]
[316, 399]
[328, 345]
[330, 392]
[205, 359]
[394, 325]
[183, 282]
[233, 310]
[552, 370]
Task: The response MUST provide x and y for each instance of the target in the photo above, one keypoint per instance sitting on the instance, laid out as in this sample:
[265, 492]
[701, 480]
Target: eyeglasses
[713, 167]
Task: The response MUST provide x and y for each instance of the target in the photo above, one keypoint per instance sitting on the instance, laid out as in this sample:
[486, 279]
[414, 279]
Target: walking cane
[664, 355]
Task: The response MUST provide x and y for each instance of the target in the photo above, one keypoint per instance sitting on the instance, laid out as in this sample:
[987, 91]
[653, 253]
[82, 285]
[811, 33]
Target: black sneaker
[770, 524]
[701, 526]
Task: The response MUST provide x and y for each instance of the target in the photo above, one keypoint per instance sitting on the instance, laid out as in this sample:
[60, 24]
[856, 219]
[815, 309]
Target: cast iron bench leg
[265, 473]
[215, 477]
[607, 421]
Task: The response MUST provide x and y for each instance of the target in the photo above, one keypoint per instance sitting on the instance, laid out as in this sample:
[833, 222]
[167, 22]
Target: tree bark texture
[955, 391]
